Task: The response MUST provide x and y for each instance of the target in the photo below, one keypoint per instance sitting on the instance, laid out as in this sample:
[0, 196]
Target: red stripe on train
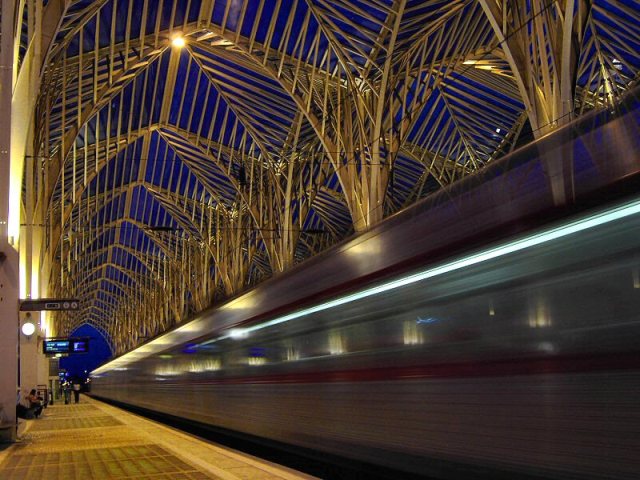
[504, 367]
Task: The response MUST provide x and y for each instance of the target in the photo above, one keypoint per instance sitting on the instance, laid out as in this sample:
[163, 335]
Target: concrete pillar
[32, 360]
[8, 327]
[9, 262]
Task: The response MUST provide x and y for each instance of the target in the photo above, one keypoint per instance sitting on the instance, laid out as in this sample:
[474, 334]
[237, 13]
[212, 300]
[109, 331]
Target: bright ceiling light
[178, 41]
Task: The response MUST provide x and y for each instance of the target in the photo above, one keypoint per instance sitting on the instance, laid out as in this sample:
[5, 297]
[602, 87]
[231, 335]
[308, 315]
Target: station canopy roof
[190, 149]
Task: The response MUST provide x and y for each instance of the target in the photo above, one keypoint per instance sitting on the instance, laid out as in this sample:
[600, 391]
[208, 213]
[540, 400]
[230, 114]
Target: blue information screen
[79, 345]
[56, 346]
[66, 345]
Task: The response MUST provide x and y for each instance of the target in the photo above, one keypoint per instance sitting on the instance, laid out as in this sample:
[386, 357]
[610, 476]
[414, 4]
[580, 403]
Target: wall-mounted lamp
[28, 329]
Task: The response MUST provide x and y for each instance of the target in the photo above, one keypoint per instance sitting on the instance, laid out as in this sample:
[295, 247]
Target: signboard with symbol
[40, 304]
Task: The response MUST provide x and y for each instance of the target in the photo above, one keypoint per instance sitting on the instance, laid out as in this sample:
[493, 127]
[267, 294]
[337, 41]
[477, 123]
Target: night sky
[99, 352]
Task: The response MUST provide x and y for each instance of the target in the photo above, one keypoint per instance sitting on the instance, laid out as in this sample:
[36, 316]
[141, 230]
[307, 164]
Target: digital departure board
[56, 346]
[65, 345]
[79, 345]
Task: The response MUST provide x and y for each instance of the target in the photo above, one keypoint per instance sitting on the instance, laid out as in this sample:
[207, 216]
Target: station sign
[59, 304]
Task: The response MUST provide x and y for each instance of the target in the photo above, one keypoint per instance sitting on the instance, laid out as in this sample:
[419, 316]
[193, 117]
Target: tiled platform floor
[93, 440]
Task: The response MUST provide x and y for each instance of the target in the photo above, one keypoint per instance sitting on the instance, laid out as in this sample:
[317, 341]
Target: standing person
[76, 392]
[66, 388]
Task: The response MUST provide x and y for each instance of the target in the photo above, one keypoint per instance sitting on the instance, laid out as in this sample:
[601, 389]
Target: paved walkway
[93, 440]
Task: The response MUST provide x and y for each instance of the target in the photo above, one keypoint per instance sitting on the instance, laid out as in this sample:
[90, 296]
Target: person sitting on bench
[33, 410]
[35, 402]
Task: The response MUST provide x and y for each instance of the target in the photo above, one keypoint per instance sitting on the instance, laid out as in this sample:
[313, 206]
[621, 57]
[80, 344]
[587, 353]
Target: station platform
[94, 440]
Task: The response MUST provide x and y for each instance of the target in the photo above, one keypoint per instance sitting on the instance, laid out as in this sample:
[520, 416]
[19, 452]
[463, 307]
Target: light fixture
[178, 41]
[238, 333]
[28, 328]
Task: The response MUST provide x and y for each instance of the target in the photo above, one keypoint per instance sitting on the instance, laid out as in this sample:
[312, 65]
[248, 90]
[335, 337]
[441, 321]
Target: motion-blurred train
[491, 330]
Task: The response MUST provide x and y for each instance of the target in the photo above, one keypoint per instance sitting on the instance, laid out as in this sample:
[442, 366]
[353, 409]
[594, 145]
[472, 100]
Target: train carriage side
[519, 355]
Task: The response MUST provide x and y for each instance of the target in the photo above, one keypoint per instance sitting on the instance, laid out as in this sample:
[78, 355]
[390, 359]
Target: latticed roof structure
[164, 178]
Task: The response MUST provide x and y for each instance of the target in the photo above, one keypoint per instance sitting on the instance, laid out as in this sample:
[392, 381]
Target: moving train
[490, 331]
